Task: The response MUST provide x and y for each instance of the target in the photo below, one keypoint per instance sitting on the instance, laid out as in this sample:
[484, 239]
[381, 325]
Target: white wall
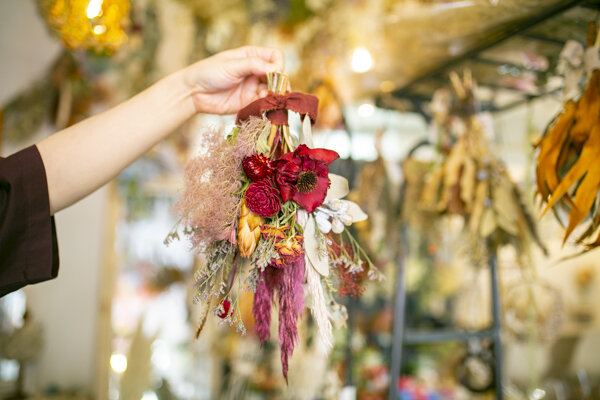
[66, 306]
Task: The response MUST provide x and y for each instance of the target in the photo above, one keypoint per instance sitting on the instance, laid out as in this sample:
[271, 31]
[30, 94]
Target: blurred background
[454, 319]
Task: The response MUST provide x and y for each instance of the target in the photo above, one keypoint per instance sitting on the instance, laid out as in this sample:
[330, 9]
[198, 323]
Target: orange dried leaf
[590, 229]
[550, 147]
[584, 198]
[588, 111]
[589, 155]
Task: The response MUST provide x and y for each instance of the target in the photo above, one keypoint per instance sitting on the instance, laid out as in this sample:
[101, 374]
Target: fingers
[257, 66]
[269, 55]
[262, 90]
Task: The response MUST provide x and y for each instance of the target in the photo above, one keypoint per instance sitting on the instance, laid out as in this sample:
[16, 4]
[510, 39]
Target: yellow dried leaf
[468, 180]
[506, 209]
[481, 195]
[452, 168]
[488, 223]
[431, 190]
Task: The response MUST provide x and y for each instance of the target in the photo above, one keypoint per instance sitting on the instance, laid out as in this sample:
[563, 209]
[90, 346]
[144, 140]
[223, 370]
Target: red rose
[262, 198]
[257, 167]
[302, 176]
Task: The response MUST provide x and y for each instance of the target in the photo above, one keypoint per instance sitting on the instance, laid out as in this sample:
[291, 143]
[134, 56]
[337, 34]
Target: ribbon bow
[276, 106]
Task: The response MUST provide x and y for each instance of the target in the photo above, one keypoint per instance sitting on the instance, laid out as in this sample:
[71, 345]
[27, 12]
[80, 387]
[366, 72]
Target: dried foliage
[568, 171]
[471, 182]
[256, 195]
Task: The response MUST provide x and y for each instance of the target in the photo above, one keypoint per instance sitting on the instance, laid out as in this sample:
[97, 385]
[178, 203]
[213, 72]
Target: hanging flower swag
[262, 207]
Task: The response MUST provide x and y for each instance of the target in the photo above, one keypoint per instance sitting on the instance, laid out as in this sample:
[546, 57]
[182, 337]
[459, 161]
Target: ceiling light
[94, 9]
[118, 363]
[361, 60]
[99, 29]
[366, 110]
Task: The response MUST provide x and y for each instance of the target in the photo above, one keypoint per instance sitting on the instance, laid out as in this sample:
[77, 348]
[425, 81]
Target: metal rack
[403, 337]
[413, 97]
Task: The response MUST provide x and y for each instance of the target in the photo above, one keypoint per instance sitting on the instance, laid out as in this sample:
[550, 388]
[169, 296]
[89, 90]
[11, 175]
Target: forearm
[83, 157]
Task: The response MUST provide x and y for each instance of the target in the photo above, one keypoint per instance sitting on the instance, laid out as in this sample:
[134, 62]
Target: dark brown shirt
[28, 247]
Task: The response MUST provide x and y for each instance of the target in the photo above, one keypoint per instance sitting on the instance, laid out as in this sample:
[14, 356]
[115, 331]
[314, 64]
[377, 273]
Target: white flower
[337, 226]
[322, 219]
[346, 219]
[334, 214]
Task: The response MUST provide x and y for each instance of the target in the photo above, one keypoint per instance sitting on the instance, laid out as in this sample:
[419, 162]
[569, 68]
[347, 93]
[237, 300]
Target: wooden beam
[495, 39]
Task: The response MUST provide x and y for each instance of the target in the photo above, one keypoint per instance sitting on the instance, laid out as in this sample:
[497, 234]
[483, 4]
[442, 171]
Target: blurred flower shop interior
[465, 129]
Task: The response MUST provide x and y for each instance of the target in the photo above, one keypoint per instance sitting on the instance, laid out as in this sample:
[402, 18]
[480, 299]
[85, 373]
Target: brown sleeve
[28, 247]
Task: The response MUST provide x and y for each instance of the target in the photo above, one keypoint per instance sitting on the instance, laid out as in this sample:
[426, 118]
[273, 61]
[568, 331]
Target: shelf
[418, 337]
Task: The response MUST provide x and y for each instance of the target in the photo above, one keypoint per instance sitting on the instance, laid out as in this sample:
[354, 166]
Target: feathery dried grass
[210, 205]
[318, 308]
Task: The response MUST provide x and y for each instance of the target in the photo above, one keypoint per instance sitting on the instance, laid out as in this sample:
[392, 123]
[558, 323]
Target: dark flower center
[307, 182]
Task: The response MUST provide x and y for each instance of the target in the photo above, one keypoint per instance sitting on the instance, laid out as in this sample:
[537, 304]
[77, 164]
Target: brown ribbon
[276, 106]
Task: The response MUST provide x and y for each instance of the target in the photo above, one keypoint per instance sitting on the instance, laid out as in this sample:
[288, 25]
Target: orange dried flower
[289, 251]
[248, 231]
[289, 248]
[278, 233]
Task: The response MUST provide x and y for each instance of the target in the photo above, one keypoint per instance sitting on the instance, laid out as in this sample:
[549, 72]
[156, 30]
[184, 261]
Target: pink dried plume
[209, 205]
[287, 283]
[291, 304]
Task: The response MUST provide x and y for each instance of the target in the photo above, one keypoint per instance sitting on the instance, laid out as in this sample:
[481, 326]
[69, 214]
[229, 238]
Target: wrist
[198, 95]
[177, 94]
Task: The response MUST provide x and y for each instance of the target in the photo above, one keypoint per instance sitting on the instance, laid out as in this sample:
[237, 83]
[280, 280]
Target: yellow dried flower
[248, 231]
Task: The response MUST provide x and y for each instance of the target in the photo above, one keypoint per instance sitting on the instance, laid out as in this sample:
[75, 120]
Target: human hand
[228, 81]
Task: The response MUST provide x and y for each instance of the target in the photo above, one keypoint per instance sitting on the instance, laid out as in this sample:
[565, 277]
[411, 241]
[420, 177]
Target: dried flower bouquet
[262, 207]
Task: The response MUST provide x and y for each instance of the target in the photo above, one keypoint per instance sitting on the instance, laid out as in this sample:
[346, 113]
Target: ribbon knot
[276, 106]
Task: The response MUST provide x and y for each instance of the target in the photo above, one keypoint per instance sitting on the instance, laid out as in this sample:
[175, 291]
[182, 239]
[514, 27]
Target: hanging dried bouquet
[467, 180]
[568, 172]
[263, 209]
[471, 182]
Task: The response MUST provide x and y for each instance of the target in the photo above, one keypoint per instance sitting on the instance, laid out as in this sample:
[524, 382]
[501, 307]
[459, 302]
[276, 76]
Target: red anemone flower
[302, 176]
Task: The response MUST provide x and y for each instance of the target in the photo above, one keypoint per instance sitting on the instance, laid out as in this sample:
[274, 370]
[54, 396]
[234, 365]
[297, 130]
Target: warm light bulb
[361, 60]
[366, 110]
[99, 29]
[94, 9]
[118, 363]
